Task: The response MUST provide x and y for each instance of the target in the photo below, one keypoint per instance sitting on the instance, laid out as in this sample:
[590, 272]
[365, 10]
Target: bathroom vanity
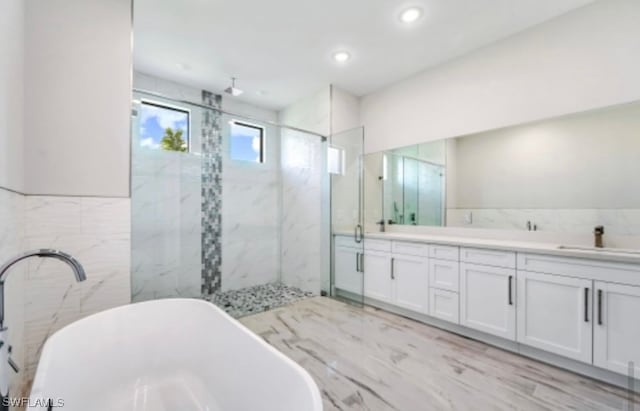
[574, 307]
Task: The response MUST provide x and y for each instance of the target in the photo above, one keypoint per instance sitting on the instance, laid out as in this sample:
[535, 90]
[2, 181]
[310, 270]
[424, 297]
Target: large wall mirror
[565, 174]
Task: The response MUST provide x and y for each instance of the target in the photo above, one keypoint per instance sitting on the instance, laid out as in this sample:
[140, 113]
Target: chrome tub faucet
[5, 348]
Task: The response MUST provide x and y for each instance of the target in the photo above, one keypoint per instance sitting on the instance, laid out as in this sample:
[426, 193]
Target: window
[247, 142]
[164, 127]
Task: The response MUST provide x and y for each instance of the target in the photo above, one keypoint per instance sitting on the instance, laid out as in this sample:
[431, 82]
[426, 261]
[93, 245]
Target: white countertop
[508, 245]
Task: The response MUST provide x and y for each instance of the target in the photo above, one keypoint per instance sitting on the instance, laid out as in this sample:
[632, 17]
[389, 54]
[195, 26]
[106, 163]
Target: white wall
[586, 59]
[312, 113]
[64, 129]
[589, 160]
[77, 97]
[345, 110]
[11, 93]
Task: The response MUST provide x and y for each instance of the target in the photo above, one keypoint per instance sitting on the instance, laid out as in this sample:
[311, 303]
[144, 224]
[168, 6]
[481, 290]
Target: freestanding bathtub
[168, 355]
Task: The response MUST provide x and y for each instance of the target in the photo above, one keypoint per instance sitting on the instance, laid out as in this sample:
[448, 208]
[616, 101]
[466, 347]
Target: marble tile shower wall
[97, 232]
[166, 224]
[620, 222]
[12, 225]
[250, 216]
[302, 218]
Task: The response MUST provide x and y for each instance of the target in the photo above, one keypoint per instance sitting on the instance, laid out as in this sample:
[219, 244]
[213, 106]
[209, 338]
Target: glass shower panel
[304, 227]
[251, 203]
[165, 199]
[347, 215]
[226, 208]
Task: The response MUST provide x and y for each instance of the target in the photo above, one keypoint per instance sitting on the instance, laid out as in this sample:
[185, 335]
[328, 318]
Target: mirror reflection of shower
[413, 191]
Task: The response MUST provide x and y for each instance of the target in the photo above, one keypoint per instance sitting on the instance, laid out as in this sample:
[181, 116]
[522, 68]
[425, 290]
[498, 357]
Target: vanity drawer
[377, 245]
[444, 275]
[444, 252]
[444, 305]
[417, 249]
[493, 258]
[346, 241]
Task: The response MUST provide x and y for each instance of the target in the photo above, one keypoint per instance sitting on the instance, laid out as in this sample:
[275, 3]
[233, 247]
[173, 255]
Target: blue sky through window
[155, 119]
[246, 143]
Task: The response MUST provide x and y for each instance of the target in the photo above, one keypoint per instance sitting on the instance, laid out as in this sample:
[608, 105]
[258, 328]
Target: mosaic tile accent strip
[256, 299]
[211, 194]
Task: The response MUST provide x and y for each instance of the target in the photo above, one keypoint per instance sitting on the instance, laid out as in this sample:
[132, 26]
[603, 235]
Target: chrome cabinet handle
[357, 262]
[599, 307]
[510, 290]
[393, 274]
[586, 304]
[362, 263]
[358, 234]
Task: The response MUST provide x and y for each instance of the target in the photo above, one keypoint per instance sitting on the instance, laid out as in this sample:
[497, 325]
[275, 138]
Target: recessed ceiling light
[341, 56]
[410, 15]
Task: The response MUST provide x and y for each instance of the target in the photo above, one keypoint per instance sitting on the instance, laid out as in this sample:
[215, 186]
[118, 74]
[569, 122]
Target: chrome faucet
[598, 232]
[5, 353]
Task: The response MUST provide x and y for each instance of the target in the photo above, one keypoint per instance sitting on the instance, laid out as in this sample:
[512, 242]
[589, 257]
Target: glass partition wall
[346, 167]
[225, 208]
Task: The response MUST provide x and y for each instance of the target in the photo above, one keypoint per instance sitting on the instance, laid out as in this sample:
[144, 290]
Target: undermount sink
[601, 250]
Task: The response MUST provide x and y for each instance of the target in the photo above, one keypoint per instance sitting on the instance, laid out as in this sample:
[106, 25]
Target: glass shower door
[345, 165]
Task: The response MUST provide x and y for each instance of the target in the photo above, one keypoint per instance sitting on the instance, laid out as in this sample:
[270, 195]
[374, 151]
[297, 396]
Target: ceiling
[281, 50]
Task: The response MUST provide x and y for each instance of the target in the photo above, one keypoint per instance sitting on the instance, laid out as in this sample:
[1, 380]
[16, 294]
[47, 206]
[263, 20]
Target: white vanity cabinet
[348, 264]
[488, 300]
[555, 314]
[410, 280]
[585, 310]
[347, 275]
[444, 282]
[397, 273]
[378, 282]
[616, 330]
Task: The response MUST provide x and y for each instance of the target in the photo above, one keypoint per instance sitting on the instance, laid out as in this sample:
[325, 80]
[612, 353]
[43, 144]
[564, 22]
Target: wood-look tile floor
[368, 359]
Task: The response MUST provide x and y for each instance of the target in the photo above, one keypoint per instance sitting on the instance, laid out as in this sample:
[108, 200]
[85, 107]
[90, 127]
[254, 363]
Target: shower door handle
[357, 234]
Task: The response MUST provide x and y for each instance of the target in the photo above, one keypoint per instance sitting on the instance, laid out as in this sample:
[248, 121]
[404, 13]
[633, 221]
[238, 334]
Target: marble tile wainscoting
[12, 242]
[94, 230]
[619, 222]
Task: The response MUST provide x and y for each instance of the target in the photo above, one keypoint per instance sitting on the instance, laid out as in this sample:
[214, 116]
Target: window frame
[261, 129]
[169, 106]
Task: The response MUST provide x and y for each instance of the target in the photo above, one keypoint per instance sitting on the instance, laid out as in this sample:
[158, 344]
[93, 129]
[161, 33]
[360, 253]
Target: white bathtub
[168, 355]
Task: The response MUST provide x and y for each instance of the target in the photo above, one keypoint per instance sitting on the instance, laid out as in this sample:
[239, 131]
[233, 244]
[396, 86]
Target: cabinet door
[346, 274]
[410, 277]
[377, 277]
[555, 314]
[444, 305]
[487, 299]
[616, 336]
[444, 275]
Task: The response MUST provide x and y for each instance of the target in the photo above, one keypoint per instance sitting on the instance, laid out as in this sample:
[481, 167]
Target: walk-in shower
[224, 207]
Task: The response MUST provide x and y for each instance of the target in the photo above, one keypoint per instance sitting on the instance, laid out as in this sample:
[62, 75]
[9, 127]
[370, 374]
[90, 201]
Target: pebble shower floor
[256, 299]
